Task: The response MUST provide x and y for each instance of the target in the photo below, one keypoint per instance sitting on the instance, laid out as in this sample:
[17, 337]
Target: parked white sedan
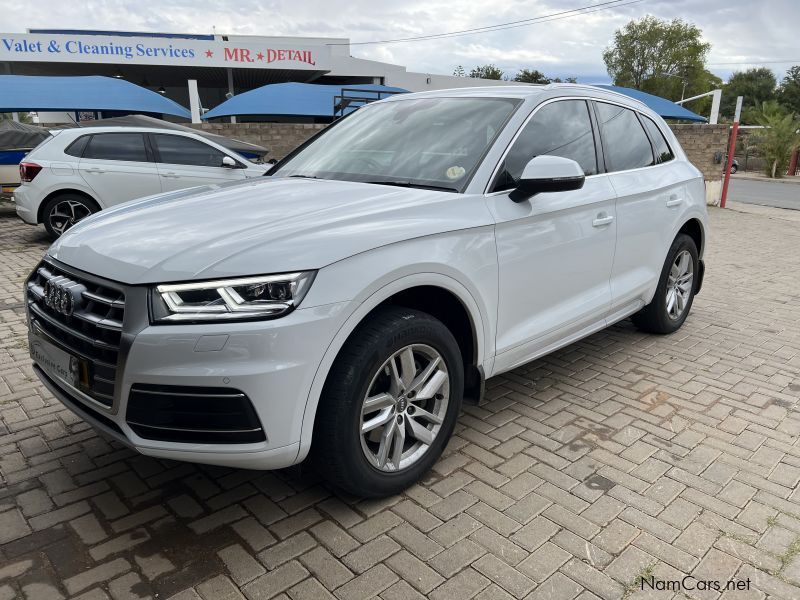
[348, 303]
[77, 172]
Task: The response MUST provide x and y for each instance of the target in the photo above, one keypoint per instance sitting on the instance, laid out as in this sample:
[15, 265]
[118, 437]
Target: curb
[794, 180]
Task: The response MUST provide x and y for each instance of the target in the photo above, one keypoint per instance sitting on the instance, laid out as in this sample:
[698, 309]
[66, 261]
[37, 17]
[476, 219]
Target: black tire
[655, 318]
[337, 444]
[734, 168]
[55, 223]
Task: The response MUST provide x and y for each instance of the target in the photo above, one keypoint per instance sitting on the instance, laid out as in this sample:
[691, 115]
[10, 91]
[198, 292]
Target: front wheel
[390, 403]
[675, 292]
[65, 210]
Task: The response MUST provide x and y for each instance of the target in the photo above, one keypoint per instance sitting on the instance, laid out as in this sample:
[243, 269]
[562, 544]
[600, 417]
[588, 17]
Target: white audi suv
[346, 305]
[78, 172]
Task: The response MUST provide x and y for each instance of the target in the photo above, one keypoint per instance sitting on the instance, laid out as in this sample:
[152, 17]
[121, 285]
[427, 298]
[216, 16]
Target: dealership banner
[172, 51]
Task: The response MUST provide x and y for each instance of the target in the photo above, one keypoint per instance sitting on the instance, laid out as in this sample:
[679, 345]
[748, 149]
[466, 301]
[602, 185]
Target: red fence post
[731, 149]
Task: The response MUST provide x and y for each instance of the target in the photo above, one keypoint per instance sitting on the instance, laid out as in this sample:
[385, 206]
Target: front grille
[90, 328]
[198, 415]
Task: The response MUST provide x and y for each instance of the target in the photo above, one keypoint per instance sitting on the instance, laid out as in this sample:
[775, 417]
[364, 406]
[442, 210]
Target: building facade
[222, 65]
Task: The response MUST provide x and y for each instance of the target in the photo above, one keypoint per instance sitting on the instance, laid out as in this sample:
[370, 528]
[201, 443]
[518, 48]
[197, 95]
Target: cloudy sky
[742, 32]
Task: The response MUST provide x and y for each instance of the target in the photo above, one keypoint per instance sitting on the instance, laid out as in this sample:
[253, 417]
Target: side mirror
[229, 163]
[547, 173]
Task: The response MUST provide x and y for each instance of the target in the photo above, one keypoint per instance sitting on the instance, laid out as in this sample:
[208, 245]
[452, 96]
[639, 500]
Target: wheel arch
[419, 291]
[695, 230]
[61, 192]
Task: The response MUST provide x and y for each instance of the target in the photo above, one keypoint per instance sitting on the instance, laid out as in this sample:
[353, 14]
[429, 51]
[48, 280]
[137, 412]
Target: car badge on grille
[62, 295]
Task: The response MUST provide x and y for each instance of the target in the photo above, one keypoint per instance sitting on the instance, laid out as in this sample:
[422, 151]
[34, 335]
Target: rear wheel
[675, 292]
[390, 403]
[65, 210]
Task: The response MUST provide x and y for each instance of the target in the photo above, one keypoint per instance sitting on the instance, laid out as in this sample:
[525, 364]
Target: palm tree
[779, 137]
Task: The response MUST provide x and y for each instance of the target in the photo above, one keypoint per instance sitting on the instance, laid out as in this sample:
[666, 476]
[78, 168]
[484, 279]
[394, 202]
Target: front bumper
[272, 362]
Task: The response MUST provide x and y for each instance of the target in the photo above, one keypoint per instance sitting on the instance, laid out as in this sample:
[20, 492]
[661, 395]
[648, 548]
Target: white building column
[194, 101]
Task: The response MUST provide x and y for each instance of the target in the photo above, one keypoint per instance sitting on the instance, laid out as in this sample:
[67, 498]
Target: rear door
[119, 167]
[650, 193]
[185, 162]
[555, 250]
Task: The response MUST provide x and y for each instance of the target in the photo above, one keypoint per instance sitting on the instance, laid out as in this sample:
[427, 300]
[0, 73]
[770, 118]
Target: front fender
[466, 275]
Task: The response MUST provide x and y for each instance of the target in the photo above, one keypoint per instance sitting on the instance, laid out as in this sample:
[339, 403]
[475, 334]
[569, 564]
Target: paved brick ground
[621, 456]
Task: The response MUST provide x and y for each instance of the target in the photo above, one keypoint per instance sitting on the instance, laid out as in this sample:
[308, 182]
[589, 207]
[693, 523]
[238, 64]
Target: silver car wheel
[404, 407]
[680, 284]
[66, 213]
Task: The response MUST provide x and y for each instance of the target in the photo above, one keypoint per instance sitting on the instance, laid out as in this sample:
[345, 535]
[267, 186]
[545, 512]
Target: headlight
[262, 297]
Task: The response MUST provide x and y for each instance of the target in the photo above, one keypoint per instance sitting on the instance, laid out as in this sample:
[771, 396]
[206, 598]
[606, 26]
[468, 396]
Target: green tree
[789, 94]
[531, 76]
[486, 72]
[565, 80]
[779, 137]
[459, 71]
[658, 56]
[756, 86]
[24, 117]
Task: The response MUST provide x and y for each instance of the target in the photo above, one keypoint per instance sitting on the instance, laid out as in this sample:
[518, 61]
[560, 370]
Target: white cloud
[738, 30]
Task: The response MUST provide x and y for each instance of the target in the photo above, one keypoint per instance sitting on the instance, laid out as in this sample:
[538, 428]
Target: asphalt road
[765, 193]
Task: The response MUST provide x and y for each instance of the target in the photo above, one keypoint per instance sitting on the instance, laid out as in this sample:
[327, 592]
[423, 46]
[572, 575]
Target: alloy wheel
[404, 407]
[66, 213]
[680, 284]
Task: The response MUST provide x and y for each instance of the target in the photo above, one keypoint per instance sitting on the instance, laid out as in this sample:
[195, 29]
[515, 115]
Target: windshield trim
[516, 103]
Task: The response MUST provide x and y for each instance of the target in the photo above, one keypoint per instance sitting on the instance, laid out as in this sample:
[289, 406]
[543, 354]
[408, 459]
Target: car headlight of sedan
[261, 297]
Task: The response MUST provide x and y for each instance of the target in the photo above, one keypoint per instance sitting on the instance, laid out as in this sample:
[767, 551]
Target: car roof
[525, 92]
[89, 129]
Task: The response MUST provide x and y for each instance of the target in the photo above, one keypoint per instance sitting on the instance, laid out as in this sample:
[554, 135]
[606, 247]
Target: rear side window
[77, 147]
[660, 145]
[562, 128]
[177, 150]
[117, 146]
[625, 143]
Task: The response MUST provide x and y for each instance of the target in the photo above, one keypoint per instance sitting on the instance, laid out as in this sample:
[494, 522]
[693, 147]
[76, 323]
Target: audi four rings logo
[58, 297]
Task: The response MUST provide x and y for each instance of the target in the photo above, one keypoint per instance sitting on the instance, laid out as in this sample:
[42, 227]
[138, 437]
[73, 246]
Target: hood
[259, 226]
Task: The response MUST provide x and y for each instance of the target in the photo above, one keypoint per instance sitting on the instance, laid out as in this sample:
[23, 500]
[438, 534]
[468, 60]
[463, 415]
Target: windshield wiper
[306, 176]
[411, 184]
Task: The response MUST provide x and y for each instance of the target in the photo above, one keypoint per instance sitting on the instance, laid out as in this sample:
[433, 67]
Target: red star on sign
[209, 54]
[260, 56]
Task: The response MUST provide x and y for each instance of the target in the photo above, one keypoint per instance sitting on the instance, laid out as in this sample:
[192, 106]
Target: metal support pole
[194, 101]
[715, 101]
[731, 149]
[230, 90]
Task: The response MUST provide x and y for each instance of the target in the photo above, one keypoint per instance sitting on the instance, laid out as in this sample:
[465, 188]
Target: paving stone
[578, 471]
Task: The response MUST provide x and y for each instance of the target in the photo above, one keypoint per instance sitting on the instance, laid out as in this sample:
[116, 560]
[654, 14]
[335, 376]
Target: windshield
[429, 142]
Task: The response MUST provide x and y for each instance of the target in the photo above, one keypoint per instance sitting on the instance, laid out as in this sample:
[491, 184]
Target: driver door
[185, 162]
[555, 250]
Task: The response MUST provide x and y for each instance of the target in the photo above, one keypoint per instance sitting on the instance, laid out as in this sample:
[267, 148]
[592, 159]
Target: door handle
[674, 200]
[602, 221]
[170, 175]
[94, 170]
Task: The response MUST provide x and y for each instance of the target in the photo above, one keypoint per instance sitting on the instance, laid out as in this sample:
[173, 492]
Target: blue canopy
[663, 107]
[296, 99]
[91, 93]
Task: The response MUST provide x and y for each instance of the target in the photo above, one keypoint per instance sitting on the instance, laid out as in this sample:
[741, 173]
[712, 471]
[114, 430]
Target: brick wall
[700, 142]
[278, 138]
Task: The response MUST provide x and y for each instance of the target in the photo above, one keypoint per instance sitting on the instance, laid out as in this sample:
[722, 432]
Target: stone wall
[278, 138]
[701, 143]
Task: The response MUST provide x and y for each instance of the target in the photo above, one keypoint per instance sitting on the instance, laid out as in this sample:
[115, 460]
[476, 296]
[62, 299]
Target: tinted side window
[178, 150]
[117, 146]
[660, 145]
[561, 128]
[624, 141]
[76, 148]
